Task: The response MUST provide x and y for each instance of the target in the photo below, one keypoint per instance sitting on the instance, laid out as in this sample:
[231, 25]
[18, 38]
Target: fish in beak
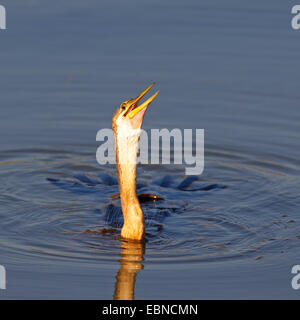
[135, 113]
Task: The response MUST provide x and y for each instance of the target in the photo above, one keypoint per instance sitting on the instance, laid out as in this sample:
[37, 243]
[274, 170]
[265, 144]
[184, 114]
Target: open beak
[136, 112]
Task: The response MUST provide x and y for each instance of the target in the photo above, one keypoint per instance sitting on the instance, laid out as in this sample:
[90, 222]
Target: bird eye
[123, 107]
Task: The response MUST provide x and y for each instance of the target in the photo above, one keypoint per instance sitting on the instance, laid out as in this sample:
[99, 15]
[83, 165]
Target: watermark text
[296, 19]
[296, 279]
[2, 17]
[161, 146]
[2, 278]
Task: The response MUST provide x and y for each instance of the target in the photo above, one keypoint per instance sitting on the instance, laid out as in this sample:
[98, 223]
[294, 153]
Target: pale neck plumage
[126, 156]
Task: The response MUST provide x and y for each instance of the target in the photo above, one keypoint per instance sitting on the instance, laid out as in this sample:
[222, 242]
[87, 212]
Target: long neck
[126, 156]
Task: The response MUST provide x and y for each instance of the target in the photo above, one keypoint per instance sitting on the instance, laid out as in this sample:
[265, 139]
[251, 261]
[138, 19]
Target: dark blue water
[226, 66]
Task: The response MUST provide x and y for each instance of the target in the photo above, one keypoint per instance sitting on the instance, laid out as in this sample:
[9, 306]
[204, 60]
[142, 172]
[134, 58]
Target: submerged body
[126, 125]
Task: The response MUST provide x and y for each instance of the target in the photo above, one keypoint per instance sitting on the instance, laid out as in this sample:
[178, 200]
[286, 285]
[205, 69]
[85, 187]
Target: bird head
[129, 116]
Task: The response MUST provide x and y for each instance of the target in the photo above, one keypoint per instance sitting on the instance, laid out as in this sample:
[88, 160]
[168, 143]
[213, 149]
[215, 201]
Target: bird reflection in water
[132, 253]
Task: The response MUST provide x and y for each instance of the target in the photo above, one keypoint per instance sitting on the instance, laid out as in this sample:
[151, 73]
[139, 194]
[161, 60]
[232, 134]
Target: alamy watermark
[2, 278]
[188, 148]
[296, 19]
[2, 17]
[296, 279]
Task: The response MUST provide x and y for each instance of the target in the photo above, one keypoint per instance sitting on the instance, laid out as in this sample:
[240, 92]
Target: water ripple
[62, 209]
